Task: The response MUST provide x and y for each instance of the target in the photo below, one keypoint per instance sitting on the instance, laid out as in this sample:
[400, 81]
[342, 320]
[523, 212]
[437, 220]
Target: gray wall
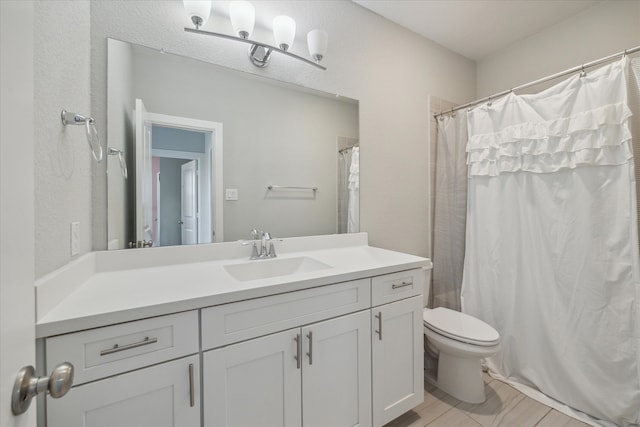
[604, 29]
[63, 162]
[177, 139]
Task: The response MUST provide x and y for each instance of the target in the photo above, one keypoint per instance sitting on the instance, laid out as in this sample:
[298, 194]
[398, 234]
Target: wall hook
[90, 127]
[123, 164]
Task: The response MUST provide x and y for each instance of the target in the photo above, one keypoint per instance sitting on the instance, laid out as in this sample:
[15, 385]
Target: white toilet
[460, 341]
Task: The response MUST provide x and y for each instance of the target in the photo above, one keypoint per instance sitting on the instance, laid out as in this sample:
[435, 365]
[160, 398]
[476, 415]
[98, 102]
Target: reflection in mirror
[186, 187]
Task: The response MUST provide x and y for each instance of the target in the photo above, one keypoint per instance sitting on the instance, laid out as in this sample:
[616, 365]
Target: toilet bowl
[460, 341]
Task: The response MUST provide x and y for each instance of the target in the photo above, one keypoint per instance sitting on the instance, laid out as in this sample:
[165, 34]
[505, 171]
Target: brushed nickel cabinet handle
[192, 394]
[298, 340]
[310, 354]
[379, 331]
[401, 285]
[116, 348]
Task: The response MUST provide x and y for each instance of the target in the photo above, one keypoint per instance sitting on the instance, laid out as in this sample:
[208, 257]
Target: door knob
[180, 222]
[27, 385]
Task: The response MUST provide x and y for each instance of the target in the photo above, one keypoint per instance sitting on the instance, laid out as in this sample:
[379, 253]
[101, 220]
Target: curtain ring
[489, 103]
[583, 73]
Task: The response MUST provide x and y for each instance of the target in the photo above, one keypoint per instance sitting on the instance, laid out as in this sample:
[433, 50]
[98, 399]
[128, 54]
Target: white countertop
[104, 288]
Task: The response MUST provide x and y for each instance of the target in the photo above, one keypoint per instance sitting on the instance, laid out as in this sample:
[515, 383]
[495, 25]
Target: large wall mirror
[212, 153]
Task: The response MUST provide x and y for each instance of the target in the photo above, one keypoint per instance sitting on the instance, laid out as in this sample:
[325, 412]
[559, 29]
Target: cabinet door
[398, 383]
[336, 373]
[253, 383]
[165, 395]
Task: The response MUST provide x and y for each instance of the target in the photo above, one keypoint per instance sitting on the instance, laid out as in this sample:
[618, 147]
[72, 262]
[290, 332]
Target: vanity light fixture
[242, 15]
[198, 11]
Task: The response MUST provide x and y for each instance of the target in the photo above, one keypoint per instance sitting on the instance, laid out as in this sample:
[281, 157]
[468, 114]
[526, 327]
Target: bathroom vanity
[329, 333]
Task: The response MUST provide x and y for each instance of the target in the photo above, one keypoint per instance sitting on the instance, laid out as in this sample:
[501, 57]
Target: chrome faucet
[263, 252]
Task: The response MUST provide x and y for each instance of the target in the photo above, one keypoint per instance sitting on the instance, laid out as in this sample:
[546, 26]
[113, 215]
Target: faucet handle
[254, 248]
[272, 250]
[255, 234]
[266, 235]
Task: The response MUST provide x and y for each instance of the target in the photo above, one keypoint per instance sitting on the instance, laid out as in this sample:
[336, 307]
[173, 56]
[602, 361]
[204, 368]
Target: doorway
[178, 179]
[181, 165]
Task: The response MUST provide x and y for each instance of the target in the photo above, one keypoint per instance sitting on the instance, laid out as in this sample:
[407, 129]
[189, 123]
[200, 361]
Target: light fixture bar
[251, 42]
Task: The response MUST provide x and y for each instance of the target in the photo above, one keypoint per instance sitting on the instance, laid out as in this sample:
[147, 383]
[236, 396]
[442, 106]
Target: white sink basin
[262, 269]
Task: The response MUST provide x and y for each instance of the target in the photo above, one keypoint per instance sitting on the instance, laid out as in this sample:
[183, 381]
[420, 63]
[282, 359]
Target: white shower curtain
[344, 164]
[353, 184]
[552, 242]
[450, 210]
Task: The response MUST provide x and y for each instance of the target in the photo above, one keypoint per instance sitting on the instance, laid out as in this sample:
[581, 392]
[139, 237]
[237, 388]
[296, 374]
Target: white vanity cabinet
[343, 354]
[138, 374]
[397, 344]
[157, 396]
[315, 373]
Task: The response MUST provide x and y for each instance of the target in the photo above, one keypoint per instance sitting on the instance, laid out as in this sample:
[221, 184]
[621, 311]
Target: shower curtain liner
[450, 210]
[552, 242]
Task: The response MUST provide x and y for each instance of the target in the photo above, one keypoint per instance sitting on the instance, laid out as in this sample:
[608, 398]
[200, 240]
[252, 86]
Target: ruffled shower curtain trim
[592, 137]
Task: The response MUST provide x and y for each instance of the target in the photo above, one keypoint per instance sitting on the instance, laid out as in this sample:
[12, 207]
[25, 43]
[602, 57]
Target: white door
[253, 383]
[398, 384]
[189, 205]
[336, 373]
[17, 300]
[144, 195]
[158, 396]
[157, 219]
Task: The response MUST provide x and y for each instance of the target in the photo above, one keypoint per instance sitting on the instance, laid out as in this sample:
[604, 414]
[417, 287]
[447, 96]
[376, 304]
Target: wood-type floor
[504, 406]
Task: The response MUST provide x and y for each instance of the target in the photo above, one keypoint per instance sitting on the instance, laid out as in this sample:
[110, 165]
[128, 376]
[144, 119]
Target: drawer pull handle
[192, 394]
[379, 331]
[310, 354]
[401, 285]
[116, 348]
[298, 340]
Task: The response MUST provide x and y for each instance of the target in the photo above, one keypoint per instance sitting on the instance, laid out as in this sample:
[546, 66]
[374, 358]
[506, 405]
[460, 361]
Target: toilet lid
[460, 326]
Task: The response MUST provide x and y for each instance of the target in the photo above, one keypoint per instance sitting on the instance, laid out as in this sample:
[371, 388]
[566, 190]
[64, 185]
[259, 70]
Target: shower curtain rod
[348, 148]
[542, 80]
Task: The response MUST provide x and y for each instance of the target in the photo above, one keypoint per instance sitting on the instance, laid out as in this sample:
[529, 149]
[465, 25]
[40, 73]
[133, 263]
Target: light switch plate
[231, 194]
[75, 238]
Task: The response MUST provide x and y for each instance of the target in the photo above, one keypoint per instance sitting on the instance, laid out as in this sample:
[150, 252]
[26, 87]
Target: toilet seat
[460, 327]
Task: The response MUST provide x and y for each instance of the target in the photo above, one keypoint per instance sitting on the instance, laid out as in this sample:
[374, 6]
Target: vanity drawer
[397, 286]
[102, 352]
[229, 323]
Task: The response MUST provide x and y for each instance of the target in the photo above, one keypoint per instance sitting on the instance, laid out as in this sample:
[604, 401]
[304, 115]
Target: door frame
[215, 130]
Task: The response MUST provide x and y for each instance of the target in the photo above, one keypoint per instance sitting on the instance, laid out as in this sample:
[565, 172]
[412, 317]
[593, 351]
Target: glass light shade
[198, 11]
[317, 41]
[284, 31]
[243, 17]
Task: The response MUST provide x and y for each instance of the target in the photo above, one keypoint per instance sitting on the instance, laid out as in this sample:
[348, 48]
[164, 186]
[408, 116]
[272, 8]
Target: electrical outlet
[231, 194]
[75, 238]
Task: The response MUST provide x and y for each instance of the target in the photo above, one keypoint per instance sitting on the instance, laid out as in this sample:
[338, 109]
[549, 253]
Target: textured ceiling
[476, 28]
